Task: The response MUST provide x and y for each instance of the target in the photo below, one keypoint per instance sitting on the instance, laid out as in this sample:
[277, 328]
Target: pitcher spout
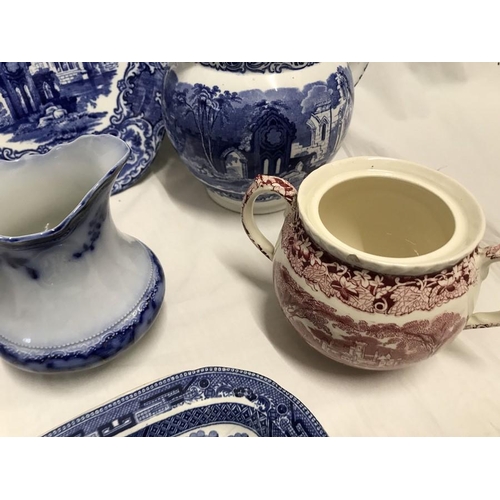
[41, 195]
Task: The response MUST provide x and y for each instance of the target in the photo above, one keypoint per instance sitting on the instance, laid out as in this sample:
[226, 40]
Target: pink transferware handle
[262, 184]
[486, 257]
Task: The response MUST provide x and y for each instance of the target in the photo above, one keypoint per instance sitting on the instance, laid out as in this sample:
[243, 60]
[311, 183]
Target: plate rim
[134, 393]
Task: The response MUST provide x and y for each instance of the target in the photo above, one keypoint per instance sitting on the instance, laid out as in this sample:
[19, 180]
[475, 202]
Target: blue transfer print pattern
[257, 404]
[234, 413]
[94, 231]
[97, 349]
[202, 434]
[19, 263]
[43, 104]
[257, 67]
[227, 138]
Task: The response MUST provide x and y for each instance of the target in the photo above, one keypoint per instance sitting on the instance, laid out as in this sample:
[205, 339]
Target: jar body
[364, 319]
[230, 122]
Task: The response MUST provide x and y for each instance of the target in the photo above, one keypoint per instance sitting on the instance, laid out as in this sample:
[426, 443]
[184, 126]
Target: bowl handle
[261, 184]
[486, 257]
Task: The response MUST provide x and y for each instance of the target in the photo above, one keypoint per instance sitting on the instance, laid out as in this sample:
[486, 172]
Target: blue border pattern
[96, 350]
[257, 67]
[143, 132]
[261, 406]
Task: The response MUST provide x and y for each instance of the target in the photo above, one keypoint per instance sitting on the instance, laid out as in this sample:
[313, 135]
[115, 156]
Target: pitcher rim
[90, 193]
[466, 211]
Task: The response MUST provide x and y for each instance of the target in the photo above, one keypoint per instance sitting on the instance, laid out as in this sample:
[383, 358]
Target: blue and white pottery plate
[43, 104]
[209, 402]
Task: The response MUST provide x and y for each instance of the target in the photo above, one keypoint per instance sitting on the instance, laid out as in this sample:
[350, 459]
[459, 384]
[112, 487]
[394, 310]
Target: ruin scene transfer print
[359, 343]
[43, 104]
[228, 136]
[366, 290]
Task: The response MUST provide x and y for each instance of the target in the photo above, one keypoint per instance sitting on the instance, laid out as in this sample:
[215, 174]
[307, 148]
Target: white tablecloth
[220, 308]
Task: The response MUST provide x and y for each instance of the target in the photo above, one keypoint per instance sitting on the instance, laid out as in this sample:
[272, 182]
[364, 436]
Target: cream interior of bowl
[386, 217]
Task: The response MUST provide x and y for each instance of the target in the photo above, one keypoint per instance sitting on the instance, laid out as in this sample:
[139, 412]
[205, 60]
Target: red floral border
[366, 290]
[493, 252]
[276, 184]
[359, 343]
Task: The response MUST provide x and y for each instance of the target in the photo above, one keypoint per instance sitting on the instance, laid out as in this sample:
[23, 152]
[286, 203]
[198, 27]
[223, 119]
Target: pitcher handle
[261, 184]
[487, 256]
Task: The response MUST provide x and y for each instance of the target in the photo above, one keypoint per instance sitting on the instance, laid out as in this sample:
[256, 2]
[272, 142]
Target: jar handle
[357, 70]
[261, 184]
[487, 256]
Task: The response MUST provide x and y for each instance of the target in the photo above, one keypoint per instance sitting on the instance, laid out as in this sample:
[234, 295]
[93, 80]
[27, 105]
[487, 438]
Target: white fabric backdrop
[220, 307]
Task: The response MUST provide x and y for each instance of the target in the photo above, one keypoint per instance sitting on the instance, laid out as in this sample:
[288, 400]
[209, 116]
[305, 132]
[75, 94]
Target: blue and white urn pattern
[43, 104]
[230, 122]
